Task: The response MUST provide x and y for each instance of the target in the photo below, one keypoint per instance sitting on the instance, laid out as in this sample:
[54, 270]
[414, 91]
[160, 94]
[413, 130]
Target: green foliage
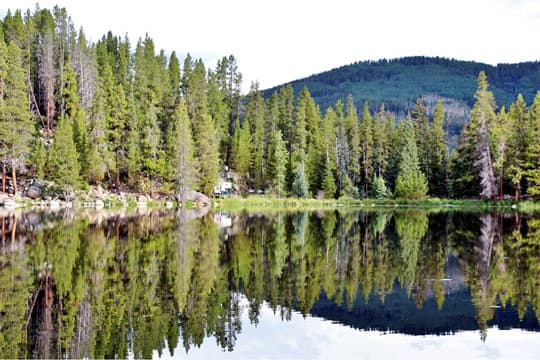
[279, 160]
[182, 152]
[15, 119]
[411, 182]
[299, 187]
[207, 156]
[122, 106]
[380, 191]
[329, 184]
[63, 158]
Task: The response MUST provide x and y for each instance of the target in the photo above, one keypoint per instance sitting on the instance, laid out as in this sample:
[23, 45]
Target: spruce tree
[366, 136]
[255, 118]
[533, 149]
[352, 129]
[483, 114]
[329, 184]
[517, 145]
[15, 118]
[207, 156]
[438, 155]
[411, 182]
[299, 187]
[63, 161]
[183, 161]
[279, 161]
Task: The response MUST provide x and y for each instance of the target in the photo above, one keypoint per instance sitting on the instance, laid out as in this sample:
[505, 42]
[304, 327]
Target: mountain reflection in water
[89, 285]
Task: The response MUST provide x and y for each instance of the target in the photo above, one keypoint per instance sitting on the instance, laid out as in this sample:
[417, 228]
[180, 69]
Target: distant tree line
[81, 113]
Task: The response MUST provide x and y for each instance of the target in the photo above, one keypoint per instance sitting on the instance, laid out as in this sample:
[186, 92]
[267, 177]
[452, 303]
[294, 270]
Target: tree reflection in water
[92, 286]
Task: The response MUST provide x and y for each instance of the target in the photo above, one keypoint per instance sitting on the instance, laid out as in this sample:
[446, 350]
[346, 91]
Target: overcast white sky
[281, 40]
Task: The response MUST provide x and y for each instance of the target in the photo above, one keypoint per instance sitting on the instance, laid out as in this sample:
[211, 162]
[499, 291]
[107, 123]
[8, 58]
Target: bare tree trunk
[3, 233]
[14, 177]
[4, 176]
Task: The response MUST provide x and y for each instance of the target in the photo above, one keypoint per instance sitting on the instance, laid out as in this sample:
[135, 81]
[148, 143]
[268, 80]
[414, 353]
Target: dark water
[323, 284]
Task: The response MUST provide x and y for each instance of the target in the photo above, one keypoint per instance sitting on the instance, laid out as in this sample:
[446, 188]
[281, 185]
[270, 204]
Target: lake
[302, 285]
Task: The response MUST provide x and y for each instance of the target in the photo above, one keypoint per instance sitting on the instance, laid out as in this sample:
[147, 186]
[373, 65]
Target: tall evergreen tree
[344, 184]
[352, 129]
[207, 155]
[63, 161]
[383, 126]
[423, 135]
[517, 145]
[279, 164]
[299, 187]
[472, 166]
[242, 154]
[533, 148]
[15, 118]
[483, 114]
[366, 136]
[438, 155]
[184, 165]
[411, 182]
[255, 118]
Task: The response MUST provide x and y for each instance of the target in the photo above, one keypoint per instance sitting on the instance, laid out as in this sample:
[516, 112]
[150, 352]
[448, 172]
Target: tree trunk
[3, 176]
[3, 233]
[14, 177]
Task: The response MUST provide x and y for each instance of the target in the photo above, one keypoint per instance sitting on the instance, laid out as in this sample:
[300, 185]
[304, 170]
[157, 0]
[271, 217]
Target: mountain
[399, 82]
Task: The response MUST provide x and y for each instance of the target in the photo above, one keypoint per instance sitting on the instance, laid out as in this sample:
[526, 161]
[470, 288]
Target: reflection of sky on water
[315, 338]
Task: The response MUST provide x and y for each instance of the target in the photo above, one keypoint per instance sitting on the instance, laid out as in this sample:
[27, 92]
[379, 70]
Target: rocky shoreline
[39, 194]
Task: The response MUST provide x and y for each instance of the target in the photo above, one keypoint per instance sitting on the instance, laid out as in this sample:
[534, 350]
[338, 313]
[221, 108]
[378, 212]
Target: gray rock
[201, 199]
[33, 192]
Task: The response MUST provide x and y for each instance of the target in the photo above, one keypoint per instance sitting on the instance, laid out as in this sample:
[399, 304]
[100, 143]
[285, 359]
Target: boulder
[33, 192]
[201, 199]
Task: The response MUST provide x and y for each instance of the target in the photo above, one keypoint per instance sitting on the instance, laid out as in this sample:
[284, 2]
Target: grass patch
[260, 202]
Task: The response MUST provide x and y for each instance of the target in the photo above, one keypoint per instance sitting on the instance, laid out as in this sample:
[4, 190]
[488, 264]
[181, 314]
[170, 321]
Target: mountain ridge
[399, 82]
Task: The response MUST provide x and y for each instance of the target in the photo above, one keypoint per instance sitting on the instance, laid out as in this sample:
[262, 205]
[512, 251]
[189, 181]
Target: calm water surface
[325, 284]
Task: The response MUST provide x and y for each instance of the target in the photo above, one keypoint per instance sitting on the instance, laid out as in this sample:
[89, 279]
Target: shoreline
[108, 200]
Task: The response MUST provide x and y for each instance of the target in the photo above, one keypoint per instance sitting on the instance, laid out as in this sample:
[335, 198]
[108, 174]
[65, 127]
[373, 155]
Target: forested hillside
[399, 82]
[131, 118]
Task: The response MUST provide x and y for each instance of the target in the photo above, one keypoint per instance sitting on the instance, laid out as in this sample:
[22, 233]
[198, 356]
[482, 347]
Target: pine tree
[517, 145]
[422, 129]
[299, 187]
[242, 150]
[383, 126]
[38, 158]
[483, 114]
[438, 155]
[472, 166]
[63, 162]
[118, 120]
[207, 156]
[71, 105]
[329, 184]
[411, 182]
[99, 157]
[366, 136]
[380, 191]
[352, 129]
[344, 184]
[184, 165]
[255, 118]
[279, 162]
[15, 118]
[533, 148]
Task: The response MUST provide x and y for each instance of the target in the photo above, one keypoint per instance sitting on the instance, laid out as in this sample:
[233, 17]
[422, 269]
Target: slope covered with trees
[399, 82]
[134, 119]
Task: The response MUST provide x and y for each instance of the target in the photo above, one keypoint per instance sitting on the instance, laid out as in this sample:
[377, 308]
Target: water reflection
[112, 286]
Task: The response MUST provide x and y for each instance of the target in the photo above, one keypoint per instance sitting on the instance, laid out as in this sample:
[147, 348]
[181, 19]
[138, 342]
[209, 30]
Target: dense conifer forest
[128, 117]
